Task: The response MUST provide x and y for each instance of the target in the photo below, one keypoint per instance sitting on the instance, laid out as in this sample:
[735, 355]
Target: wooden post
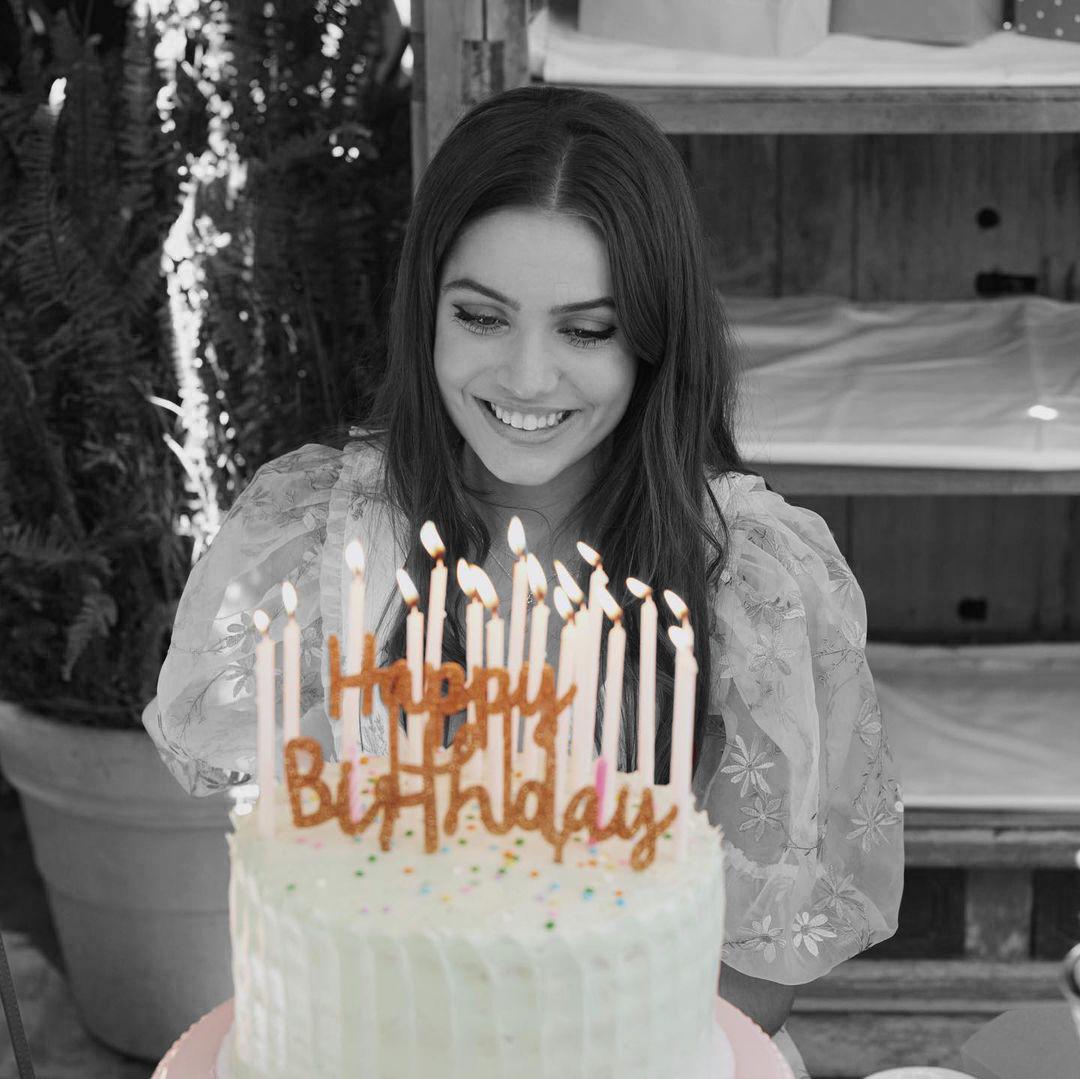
[463, 52]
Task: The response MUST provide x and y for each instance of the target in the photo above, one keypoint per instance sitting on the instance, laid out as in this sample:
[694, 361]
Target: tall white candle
[436, 610]
[291, 661]
[682, 734]
[681, 611]
[474, 657]
[563, 682]
[613, 683]
[264, 722]
[495, 637]
[414, 656]
[354, 649]
[646, 710]
[538, 628]
[519, 599]
[598, 579]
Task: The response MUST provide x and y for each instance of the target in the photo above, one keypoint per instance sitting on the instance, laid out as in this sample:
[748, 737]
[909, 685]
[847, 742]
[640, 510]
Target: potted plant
[92, 558]
[189, 271]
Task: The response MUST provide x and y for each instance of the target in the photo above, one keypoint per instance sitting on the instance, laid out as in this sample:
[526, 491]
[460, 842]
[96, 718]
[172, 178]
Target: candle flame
[465, 578]
[432, 541]
[577, 597]
[515, 536]
[590, 556]
[261, 620]
[485, 589]
[563, 604]
[639, 588]
[537, 580]
[355, 557]
[680, 637]
[677, 605]
[288, 598]
[407, 588]
[611, 608]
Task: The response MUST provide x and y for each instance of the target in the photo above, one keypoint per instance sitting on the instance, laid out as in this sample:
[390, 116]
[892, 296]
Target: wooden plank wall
[915, 217]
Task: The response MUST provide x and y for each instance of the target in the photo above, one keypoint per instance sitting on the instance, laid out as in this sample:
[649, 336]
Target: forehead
[533, 256]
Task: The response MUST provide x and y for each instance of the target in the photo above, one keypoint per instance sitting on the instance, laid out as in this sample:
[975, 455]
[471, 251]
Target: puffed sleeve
[804, 789]
[203, 717]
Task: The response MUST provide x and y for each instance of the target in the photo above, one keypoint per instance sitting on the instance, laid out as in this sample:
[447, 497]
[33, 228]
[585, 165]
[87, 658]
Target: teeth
[529, 421]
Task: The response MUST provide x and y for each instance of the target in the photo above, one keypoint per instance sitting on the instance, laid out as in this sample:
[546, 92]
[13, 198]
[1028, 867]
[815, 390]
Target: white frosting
[483, 960]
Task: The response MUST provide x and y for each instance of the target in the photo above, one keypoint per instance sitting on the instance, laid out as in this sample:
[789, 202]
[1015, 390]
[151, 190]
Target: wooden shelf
[821, 110]
[848, 480]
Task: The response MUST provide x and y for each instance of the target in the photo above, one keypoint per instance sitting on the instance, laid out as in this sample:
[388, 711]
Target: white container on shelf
[739, 27]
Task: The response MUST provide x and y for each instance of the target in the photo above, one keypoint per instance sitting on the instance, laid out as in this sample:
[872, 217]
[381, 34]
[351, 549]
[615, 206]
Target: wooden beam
[867, 480]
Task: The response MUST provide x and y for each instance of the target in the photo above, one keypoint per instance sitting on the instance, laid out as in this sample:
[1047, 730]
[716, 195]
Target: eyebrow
[561, 309]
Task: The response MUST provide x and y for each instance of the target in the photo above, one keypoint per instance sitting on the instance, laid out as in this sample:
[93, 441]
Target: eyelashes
[486, 324]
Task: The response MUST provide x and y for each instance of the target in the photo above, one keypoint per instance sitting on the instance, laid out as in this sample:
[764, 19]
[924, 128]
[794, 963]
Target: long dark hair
[584, 153]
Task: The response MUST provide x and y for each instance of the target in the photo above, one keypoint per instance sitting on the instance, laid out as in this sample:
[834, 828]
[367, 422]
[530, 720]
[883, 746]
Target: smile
[526, 421]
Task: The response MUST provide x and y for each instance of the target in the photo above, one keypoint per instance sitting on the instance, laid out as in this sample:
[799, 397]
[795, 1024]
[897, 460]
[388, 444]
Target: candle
[586, 663]
[436, 609]
[613, 680]
[474, 657]
[569, 585]
[563, 682]
[646, 711]
[598, 578]
[354, 648]
[519, 598]
[602, 787]
[355, 810]
[680, 610]
[414, 656]
[682, 733]
[264, 722]
[538, 628]
[495, 638]
[291, 661]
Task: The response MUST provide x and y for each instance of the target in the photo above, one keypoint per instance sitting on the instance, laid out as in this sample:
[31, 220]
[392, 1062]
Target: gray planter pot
[136, 873]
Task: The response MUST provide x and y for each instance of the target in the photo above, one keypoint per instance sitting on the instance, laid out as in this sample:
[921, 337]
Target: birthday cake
[498, 907]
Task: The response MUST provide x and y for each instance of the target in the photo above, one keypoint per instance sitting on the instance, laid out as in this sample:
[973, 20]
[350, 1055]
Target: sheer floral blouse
[795, 767]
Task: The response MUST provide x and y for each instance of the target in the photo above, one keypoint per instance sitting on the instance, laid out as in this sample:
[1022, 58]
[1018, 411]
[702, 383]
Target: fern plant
[91, 563]
[268, 162]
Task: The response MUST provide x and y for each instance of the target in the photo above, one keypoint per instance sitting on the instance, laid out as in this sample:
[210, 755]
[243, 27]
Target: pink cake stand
[194, 1054]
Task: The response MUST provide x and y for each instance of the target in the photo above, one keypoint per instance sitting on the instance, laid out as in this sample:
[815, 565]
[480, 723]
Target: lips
[497, 416]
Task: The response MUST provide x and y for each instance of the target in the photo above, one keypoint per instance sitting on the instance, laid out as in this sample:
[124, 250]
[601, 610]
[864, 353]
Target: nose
[527, 372]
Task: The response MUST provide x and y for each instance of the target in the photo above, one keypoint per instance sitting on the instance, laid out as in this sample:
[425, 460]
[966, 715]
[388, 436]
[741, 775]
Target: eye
[575, 335]
[481, 324]
[588, 338]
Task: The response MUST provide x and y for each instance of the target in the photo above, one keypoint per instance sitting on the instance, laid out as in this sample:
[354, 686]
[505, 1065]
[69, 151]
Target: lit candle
[436, 609]
[495, 638]
[519, 598]
[264, 722]
[646, 711]
[354, 648]
[680, 610]
[613, 680]
[563, 682]
[682, 733]
[474, 657]
[414, 656]
[538, 628]
[291, 661]
[598, 578]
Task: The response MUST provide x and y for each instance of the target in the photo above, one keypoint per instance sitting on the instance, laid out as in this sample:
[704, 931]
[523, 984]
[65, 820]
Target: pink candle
[601, 795]
[355, 810]
[436, 610]
[519, 599]
[265, 722]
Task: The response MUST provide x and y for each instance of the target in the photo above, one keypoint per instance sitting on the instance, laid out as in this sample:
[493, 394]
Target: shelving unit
[899, 174]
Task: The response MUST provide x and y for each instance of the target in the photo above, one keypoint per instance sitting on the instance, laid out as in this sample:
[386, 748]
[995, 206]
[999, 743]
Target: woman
[556, 351]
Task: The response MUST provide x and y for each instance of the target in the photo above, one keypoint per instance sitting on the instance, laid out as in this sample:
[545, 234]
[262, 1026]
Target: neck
[545, 509]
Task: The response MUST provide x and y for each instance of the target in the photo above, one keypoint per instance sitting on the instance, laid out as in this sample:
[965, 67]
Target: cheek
[612, 382]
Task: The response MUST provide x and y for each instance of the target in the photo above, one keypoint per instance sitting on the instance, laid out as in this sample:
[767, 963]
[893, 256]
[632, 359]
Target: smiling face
[531, 365]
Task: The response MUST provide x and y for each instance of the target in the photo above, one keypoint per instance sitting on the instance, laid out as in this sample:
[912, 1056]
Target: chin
[521, 473]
